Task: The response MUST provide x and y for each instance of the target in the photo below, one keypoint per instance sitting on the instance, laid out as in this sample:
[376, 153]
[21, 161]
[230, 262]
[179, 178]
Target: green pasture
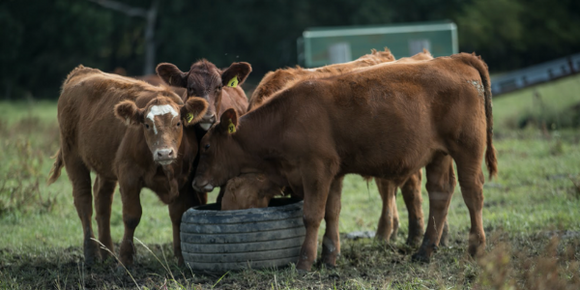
[535, 197]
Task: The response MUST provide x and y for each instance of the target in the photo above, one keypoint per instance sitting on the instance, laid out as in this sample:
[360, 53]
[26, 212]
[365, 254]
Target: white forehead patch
[160, 110]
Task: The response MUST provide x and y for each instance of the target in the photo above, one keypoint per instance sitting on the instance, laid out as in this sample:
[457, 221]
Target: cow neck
[259, 138]
[188, 148]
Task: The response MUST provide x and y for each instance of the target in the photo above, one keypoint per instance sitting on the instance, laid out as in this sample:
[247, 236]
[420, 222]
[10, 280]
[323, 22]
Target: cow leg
[331, 239]
[411, 191]
[396, 222]
[471, 181]
[386, 227]
[444, 241]
[187, 198]
[104, 190]
[80, 177]
[440, 189]
[316, 189]
[132, 212]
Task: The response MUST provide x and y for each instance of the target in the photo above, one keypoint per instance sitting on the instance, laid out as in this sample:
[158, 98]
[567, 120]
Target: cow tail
[490, 157]
[54, 173]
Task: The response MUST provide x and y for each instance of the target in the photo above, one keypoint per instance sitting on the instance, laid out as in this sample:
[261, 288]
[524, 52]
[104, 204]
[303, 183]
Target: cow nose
[165, 153]
[209, 118]
[207, 121]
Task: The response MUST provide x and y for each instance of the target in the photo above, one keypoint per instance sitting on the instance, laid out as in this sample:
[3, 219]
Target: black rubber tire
[215, 241]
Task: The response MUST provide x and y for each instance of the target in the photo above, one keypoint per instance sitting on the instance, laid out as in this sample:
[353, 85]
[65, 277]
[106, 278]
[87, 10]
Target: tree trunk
[150, 44]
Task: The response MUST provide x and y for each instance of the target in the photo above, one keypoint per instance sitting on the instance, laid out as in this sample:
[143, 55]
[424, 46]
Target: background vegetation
[43, 40]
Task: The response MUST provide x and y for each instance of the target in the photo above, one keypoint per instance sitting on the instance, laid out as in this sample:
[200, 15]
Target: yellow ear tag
[189, 117]
[231, 127]
[233, 82]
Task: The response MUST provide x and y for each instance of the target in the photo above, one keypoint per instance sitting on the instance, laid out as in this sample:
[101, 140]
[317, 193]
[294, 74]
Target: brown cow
[130, 132]
[411, 189]
[386, 121]
[220, 88]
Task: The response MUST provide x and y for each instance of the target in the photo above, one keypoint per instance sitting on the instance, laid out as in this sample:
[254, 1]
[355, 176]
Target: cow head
[221, 156]
[250, 190]
[162, 121]
[206, 81]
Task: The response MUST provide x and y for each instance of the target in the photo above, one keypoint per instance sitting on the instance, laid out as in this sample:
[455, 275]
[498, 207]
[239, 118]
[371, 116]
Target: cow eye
[206, 146]
[218, 88]
[147, 126]
[178, 124]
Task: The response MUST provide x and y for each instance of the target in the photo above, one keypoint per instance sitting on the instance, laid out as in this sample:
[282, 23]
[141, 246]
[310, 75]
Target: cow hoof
[420, 258]
[414, 241]
[304, 266]
[180, 262]
[393, 237]
[91, 260]
[329, 260]
[122, 270]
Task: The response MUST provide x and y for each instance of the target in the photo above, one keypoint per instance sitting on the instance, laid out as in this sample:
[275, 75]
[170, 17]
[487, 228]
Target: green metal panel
[323, 46]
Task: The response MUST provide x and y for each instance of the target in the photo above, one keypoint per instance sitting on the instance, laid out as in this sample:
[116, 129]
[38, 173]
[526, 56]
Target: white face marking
[160, 110]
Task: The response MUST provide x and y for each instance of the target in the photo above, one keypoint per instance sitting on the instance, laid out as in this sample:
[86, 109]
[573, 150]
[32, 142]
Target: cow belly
[393, 161]
[99, 156]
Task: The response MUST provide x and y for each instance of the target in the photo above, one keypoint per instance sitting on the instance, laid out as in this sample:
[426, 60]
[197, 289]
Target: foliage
[21, 174]
[551, 106]
[44, 40]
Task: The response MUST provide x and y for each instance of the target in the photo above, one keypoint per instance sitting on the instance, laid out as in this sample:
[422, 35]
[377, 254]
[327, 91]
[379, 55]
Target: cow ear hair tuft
[240, 70]
[193, 110]
[171, 75]
[128, 112]
[229, 121]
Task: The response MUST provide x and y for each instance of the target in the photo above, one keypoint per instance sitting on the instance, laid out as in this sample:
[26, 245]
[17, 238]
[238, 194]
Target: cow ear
[236, 74]
[128, 112]
[172, 75]
[193, 110]
[229, 121]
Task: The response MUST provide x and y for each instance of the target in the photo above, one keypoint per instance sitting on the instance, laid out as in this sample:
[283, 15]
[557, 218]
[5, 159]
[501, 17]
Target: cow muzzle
[201, 186]
[207, 121]
[164, 156]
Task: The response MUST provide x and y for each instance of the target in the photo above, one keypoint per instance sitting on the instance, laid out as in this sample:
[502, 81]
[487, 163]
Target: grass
[530, 218]
[546, 101]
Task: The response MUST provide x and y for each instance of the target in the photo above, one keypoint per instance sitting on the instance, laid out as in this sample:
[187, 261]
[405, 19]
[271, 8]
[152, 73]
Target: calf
[220, 88]
[386, 121]
[249, 191]
[129, 132]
